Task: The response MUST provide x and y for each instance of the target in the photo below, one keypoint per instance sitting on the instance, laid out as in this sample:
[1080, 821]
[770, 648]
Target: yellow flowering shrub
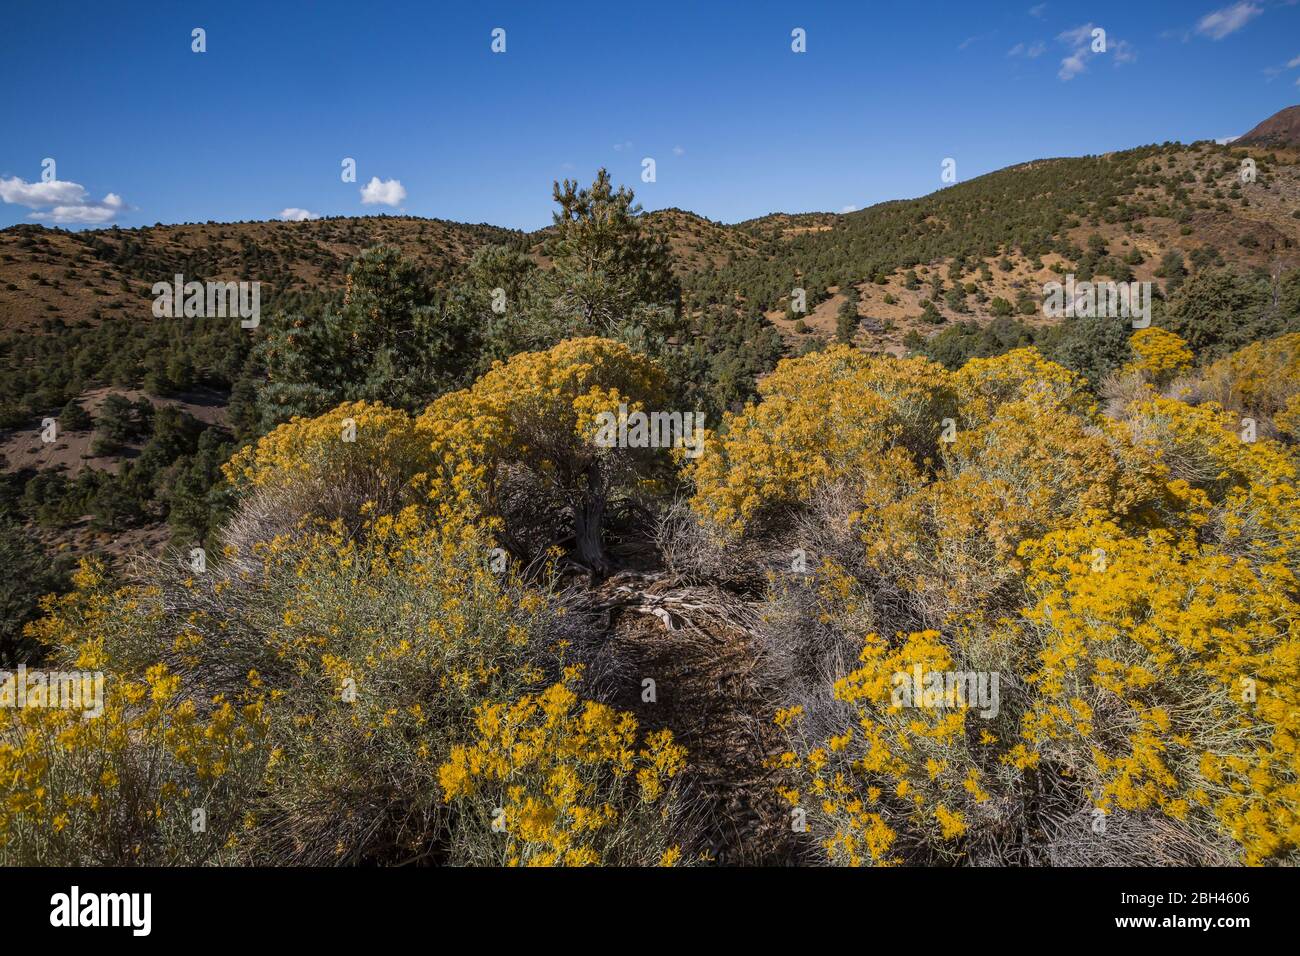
[1158, 355]
[1021, 375]
[357, 454]
[950, 545]
[354, 439]
[1052, 462]
[1204, 446]
[551, 780]
[1261, 380]
[309, 708]
[1168, 678]
[533, 420]
[383, 646]
[542, 406]
[123, 787]
[307, 688]
[1130, 582]
[835, 416]
[896, 772]
[1143, 674]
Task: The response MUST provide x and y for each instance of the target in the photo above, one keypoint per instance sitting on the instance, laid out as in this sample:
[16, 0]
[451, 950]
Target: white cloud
[389, 192]
[36, 195]
[1080, 41]
[849, 209]
[679, 151]
[1229, 20]
[1078, 36]
[1292, 64]
[1038, 11]
[1225, 140]
[619, 147]
[91, 213]
[67, 202]
[1073, 65]
[294, 214]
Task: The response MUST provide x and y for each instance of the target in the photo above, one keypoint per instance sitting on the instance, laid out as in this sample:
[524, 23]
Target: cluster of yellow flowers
[131, 784]
[1130, 580]
[1263, 380]
[913, 758]
[354, 437]
[1159, 355]
[547, 782]
[540, 408]
[836, 415]
[1166, 678]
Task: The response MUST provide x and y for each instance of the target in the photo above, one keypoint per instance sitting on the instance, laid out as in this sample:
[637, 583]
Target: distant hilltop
[1280, 129]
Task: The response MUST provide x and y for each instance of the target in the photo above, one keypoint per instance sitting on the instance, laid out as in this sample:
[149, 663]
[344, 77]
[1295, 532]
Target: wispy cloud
[1038, 11]
[1030, 50]
[1078, 36]
[1072, 66]
[1123, 52]
[974, 39]
[1080, 42]
[388, 192]
[1225, 22]
[1273, 72]
[61, 202]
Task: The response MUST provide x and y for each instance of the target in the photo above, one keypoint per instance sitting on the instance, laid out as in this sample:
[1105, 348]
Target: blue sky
[144, 130]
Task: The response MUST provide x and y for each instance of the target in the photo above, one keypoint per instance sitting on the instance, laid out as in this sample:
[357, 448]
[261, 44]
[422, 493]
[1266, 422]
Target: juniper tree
[846, 320]
[609, 276]
[391, 340]
[74, 418]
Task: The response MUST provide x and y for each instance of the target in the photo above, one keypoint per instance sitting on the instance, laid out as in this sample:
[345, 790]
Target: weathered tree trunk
[588, 527]
[589, 524]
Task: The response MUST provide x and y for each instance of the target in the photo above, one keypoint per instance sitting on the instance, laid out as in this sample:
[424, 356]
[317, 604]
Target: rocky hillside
[85, 276]
[1147, 201]
[1281, 130]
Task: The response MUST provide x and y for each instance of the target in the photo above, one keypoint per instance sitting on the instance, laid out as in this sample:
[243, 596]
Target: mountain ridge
[1281, 129]
[1157, 197]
